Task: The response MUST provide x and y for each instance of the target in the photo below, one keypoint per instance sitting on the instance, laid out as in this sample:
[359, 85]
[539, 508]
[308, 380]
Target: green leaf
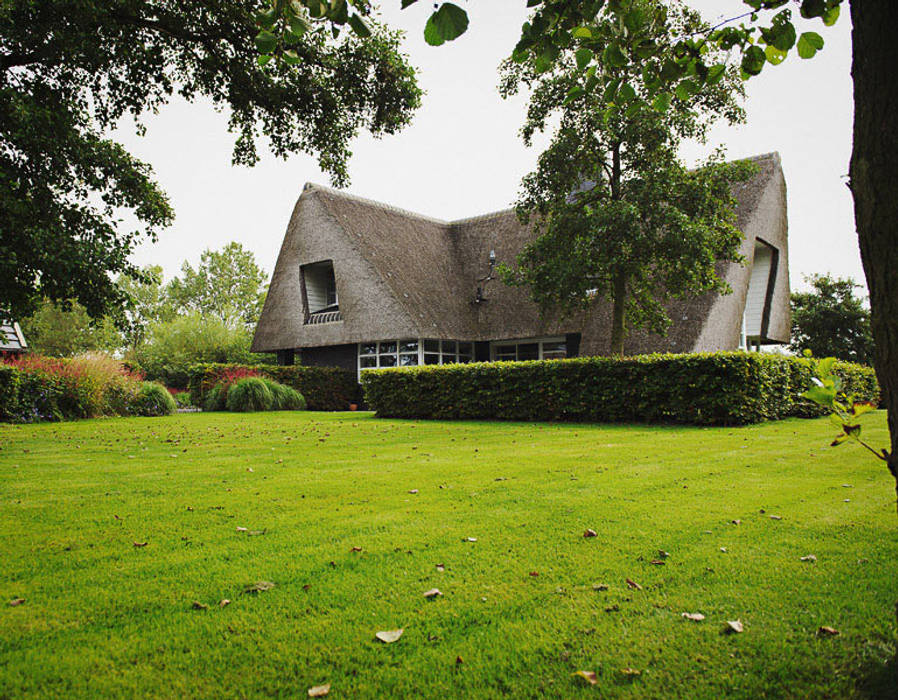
[266, 41]
[753, 60]
[583, 57]
[291, 57]
[626, 93]
[613, 56]
[686, 89]
[581, 33]
[359, 27]
[839, 440]
[298, 26]
[263, 59]
[831, 16]
[573, 94]
[446, 24]
[406, 3]
[825, 367]
[611, 89]
[809, 43]
[715, 74]
[820, 395]
[774, 55]
[661, 103]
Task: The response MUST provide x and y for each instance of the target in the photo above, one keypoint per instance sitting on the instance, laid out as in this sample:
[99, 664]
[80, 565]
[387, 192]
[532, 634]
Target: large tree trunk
[619, 314]
[874, 183]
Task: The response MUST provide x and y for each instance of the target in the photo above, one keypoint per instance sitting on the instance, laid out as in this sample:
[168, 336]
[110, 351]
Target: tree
[147, 303]
[65, 332]
[638, 228]
[70, 70]
[227, 285]
[830, 321]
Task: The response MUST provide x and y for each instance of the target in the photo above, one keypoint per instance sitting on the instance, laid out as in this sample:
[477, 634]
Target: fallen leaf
[141, 544]
[657, 562]
[242, 529]
[590, 533]
[695, 617]
[811, 558]
[197, 605]
[16, 602]
[827, 632]
[632, 584]
[223, 602]
[440, 567]
[470, 539]
[389, 636]
[413, 491]
[612, 608]
[736, 522]
[600, 586]
[432, 593]
[116, 517]
[458, 660]
[356, 549]
[776, 517]
[723, 549]
[588, 676]
[630, 671]
[253, 533]
[662, 554]
[534, 573]
[259, 587]
[319, 691]
[306, 586]
[733, 627]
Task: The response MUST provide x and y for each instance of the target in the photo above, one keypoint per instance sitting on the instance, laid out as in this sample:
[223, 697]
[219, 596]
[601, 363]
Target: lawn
[521, 608]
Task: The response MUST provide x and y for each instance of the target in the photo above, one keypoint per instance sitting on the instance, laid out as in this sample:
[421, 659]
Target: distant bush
[250, 394]
[706, 389]
[153, 400]
[285, 398]
[323, 388]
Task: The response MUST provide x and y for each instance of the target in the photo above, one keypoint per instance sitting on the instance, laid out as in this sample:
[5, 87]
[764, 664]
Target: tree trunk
[619, 315]
[874, 183]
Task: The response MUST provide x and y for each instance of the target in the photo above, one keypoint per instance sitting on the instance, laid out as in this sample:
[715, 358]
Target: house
[12, 342]
[359, 284]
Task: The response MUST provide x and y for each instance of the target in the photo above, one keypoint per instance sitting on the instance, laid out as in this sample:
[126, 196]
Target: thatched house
[360, 284]
[12, 342]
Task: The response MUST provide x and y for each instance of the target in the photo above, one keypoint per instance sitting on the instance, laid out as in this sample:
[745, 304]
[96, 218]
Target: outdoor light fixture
[479, 298]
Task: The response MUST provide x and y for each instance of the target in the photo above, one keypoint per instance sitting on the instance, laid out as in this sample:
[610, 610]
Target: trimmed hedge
[324, 388]
[726, 388]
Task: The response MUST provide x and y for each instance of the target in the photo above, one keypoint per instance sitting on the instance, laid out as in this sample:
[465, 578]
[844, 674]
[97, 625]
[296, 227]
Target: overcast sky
[462, 156]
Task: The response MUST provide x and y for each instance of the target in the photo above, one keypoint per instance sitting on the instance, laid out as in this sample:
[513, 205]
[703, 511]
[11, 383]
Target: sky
[462, 155]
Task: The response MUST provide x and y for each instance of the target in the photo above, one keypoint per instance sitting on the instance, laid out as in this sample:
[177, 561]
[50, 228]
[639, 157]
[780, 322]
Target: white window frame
[541, 342]
[446, 354]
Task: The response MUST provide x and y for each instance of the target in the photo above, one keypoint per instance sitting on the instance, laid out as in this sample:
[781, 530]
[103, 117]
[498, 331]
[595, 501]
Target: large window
[530, 349]
[411, 352]
[445, 352]
[321, 286]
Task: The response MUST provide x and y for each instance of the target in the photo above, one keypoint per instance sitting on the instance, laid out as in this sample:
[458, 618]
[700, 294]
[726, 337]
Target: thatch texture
[401, 274]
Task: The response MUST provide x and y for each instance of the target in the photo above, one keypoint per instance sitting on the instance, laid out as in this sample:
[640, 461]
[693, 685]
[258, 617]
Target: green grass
[103, 618]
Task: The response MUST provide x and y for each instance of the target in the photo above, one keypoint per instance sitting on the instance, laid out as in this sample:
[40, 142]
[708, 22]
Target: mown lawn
[103, 618]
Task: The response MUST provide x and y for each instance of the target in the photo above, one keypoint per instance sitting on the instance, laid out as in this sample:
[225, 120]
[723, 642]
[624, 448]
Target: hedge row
[324, 388]
[706, 389]
[34, 395]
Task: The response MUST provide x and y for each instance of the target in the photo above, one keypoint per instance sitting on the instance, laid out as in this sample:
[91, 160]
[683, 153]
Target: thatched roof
[402, 274]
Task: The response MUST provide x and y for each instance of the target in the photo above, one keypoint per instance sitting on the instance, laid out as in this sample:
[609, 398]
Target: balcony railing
[323, 317]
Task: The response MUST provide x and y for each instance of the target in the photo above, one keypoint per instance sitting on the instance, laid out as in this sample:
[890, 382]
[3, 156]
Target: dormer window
[320, 293]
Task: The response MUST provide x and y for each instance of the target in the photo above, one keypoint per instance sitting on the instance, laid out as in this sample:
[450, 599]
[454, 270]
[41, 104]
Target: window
[529, 349]
[412, 352]
[320, 286]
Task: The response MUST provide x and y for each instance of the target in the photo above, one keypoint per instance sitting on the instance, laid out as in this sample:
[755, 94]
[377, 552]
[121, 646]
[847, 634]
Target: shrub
[250, 394]
[323, 388]
[10, 379]
[285, 398]
[216, 398]
[707, 389]
[153, 399]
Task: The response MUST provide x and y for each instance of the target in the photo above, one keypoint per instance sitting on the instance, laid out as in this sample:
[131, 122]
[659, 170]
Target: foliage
[703, 389]
[250, 394]
[39, 388]
[619, 216]
[148, 303]
[70, 71]
[227, 285]
[323, 388]
[172, 347]
[65, 329]
[831, 321]
[153, 400]
[284, 398]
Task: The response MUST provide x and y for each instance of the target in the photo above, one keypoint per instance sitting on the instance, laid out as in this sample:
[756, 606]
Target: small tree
[620, 218]
[65, 332]
[831, 321]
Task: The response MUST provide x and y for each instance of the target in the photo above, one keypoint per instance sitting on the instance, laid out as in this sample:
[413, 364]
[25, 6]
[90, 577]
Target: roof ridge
[311, 186]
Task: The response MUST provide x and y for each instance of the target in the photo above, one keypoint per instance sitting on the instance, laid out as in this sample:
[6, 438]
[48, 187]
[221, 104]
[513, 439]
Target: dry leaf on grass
[197, 605]
[600, 586]
[16, 601]
[827, 632]
[459, 660]
[470, 539]
[632, 584]
[389, 636]
[319, 691]
[432, 593]
[141, 544]
[413, 491]
[662, 554]
[441, 567]
[776, 517]
[590, 533]
[695, 617]
[534, 573]
[259, 587]
[588, 676]
[733, 627]
[811, 558]
[242, 529]
[223, 602]
[630, 671]
[356, 549]
[657, 562]
[736, 522]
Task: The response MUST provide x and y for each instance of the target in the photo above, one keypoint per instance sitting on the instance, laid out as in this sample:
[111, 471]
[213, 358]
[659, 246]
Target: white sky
[462, 156]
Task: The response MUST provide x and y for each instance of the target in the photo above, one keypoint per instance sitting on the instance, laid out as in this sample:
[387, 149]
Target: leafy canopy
[70, 70]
